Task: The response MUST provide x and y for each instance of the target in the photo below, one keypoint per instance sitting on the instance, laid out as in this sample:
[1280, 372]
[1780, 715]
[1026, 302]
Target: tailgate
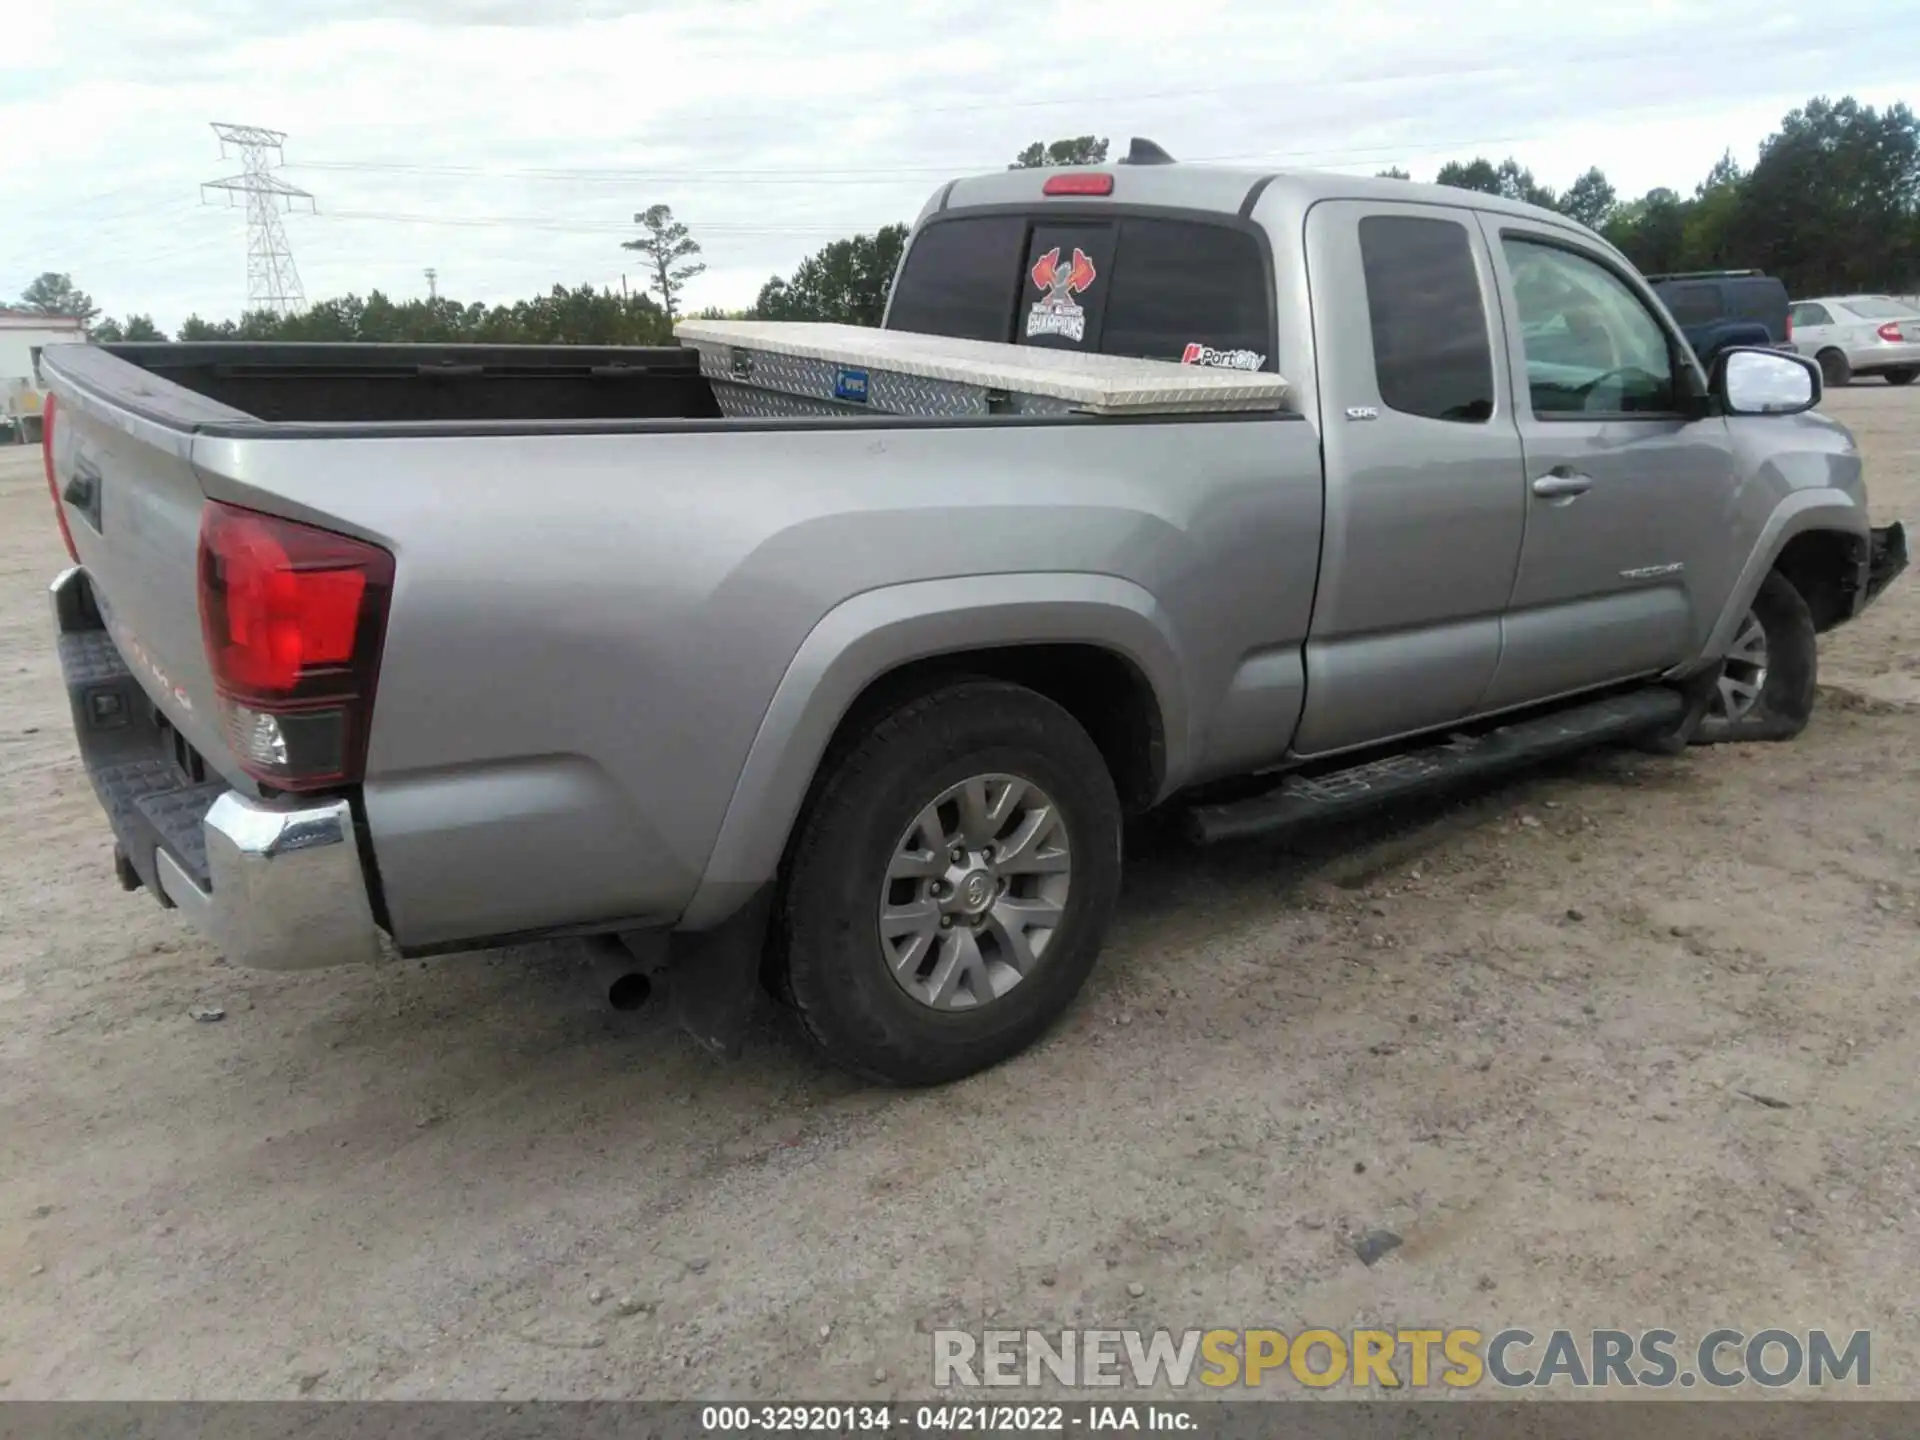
[132, 503]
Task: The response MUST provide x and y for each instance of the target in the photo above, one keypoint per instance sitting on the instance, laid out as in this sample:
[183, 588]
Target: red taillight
[1890, 332]
[293, 618]
[1082, 182]
[53, 485]
[1789, 327]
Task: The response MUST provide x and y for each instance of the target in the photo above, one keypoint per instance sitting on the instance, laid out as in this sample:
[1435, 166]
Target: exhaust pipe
[617, 974]
[629, 991]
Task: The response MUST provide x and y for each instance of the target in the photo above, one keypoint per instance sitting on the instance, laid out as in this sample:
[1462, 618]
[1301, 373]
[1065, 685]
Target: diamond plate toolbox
[753, 382]
[769, 368]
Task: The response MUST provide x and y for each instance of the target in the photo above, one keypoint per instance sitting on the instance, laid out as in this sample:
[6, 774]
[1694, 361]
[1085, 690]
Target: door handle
[1561, 483]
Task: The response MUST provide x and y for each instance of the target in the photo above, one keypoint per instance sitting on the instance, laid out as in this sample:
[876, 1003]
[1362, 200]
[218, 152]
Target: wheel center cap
[975, 892]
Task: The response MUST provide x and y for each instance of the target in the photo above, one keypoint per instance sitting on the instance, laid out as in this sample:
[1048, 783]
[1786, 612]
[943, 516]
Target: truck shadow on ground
[363, 1109]
[1170, 881]
[524, 1036]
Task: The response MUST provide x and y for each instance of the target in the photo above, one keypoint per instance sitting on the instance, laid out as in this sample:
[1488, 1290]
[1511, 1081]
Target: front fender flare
[1820, 508]
[877, 631]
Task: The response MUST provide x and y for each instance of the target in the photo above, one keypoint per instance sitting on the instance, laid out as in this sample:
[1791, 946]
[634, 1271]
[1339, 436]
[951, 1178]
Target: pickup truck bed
[711, 377]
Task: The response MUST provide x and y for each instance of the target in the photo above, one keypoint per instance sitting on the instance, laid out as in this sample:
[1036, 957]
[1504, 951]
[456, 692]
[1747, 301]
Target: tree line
[1831, 205]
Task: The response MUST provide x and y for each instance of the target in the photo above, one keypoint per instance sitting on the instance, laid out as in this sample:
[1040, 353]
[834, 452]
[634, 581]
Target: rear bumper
[285, 889]
[1875, 358]
[279, 886]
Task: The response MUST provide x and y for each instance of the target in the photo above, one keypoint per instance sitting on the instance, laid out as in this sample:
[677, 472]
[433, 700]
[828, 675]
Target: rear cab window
[960, 279]
[1195, 291]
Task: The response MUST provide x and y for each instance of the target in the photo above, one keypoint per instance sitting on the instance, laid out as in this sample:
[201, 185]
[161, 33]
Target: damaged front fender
[1886, 560]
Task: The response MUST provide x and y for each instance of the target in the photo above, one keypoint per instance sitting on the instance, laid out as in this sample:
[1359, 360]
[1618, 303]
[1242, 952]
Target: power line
[272, 281]
[1337, 155]
[543, 224]
[1333, 157]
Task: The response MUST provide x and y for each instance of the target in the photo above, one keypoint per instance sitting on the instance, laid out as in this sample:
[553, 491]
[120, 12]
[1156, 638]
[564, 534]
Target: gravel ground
[1522, 1031]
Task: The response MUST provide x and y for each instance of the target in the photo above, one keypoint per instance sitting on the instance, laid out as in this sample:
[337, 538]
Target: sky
[507, 144]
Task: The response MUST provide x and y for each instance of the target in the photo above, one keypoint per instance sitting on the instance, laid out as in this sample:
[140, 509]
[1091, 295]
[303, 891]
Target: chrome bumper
[287, 890]
[282, 887]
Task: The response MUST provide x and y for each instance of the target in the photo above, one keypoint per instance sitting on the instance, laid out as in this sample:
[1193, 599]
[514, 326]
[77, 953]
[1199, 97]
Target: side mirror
[1751, 381]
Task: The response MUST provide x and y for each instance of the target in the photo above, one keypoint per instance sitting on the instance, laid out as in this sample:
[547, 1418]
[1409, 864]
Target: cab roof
[1228, 190]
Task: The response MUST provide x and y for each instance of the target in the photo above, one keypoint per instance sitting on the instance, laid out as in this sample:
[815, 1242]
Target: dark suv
[1718, 308]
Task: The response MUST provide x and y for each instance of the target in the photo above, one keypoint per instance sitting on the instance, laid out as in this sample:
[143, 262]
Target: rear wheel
[1835, 369]
[1901, 375]
[1767, 684]
[950, 885]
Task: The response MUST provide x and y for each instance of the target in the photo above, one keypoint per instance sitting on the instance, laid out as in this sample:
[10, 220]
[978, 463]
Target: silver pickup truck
[438, 647]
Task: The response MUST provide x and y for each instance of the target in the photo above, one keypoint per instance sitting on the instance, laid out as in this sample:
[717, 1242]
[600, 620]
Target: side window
[1762, 301]
[960, 279]
[1431, 353]
[1188, 291]
[1694, 304]
[1591, 346]
[1811, 315]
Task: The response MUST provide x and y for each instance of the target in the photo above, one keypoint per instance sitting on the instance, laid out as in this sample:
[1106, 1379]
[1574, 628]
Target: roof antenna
[1145, 152]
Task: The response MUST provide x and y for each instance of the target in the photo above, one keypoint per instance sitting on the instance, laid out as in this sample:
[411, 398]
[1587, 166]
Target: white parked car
[1859, 335]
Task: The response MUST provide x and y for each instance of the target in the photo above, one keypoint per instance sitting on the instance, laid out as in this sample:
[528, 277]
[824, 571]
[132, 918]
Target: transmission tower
[272, 282]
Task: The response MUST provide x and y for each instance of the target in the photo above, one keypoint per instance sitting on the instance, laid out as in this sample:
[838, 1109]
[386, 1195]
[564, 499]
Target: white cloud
[523, 137]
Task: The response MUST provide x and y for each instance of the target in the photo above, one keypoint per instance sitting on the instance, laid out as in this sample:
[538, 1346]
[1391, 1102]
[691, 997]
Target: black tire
[1835, 369]
[1901, 375]
[1785, 703]
[836, 972]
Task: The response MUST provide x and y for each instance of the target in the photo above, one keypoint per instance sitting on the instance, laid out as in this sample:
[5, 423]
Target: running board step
[1301, 799]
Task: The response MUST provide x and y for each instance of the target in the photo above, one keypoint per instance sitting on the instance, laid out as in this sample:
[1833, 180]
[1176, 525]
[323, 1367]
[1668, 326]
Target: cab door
[1425, 492]
[1629, 490]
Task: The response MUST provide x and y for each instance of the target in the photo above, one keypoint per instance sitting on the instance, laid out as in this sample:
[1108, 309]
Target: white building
[23, 334]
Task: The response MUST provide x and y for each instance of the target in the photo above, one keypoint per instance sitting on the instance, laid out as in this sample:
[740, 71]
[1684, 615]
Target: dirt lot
[1519, 1031]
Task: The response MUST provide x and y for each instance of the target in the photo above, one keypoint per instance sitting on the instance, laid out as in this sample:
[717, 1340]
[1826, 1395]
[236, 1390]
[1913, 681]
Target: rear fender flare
[878, 631]
[1821, 508]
